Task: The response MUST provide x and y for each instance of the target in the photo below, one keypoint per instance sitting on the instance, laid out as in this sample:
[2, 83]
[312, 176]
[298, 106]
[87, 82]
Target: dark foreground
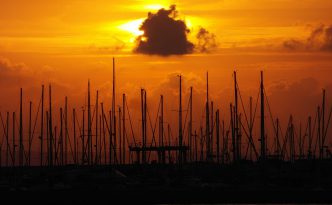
[169, 197]
[245, 182]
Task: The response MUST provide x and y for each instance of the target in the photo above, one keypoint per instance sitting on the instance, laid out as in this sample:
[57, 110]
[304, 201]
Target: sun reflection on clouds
[132, 27]
[155, 6]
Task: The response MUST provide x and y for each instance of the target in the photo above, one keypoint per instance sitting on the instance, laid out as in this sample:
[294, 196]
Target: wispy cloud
[320, 39]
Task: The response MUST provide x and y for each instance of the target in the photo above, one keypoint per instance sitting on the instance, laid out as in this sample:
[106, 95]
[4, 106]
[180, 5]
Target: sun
[133, 25]
[155, 7]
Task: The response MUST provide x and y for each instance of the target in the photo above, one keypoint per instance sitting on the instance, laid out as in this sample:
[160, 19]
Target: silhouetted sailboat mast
[107, 142]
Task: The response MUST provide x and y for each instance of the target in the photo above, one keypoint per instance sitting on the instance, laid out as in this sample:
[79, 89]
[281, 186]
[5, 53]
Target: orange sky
[68, 42]
[86, 27]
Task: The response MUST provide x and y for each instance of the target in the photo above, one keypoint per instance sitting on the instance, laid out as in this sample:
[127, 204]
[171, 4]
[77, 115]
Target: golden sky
[81, 27]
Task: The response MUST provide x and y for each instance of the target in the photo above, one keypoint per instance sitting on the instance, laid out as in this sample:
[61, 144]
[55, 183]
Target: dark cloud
[206, 41]
[164, 34]
[320, 39]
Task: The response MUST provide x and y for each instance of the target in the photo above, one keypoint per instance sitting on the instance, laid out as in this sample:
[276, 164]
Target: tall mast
[56, 156]
[160, 141]
[83, 135]
[14, 145]
[169, 142]
[224, 142]
[120, 136]
[89, 126]
[180, 121]
[300, 142]
[143, 112]
[100, 139]
[104, 137]
[211, 132]
[323, 127]
[250, 126]
[61, 138]
[75, 142]
[233, 132]
[110, 139]
[42, 127]
[66, 130]
[124, 128]
[218, 135]
[201, 144]
[276, 149]
[309, 138]
[319, 116]
[291, 139]
[161, 128]
[113, 111]
[263, 148]
[30, 136]
[207, 118]
[142, 129]
[239, 137]
[236, 120]
[7, 138]
[145, 122]
[47, 137]
[96, 137]
[21, 131]
[195, 145]
[191, 123]
[50, 156]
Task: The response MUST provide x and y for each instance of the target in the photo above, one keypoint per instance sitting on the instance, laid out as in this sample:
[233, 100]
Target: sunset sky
[68, 42]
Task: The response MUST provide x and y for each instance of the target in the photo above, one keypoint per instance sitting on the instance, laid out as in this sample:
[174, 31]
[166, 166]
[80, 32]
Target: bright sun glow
[155, 6]
[132, 27]
[151, 5]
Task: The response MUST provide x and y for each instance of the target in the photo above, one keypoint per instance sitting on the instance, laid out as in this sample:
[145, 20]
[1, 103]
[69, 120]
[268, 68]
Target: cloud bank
[320, 39]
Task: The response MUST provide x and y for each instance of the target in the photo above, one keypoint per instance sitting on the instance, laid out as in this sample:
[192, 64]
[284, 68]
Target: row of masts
[108, 137]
